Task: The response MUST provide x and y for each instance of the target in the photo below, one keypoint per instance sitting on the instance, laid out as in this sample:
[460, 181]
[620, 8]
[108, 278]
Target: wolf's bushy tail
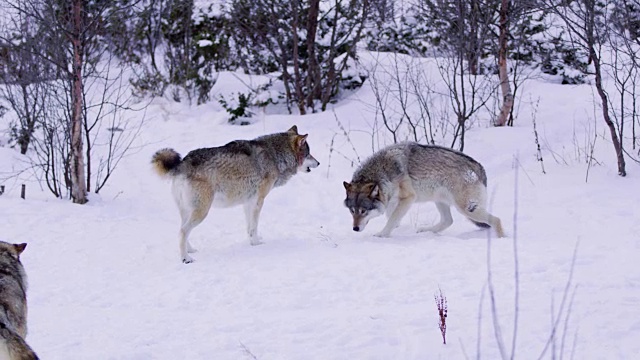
[165, 160]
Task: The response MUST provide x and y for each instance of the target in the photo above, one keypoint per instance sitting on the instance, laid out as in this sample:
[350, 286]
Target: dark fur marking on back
[452, 151]
[460, 153]
[239, 147]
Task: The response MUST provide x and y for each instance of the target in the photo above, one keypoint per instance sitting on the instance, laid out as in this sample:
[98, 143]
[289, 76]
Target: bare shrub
[441, 304]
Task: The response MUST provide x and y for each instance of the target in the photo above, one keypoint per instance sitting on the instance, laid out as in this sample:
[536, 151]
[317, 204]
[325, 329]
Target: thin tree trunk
[78, 183]
[296, 57]
[617, 145]
[473, 54]
[26, 131]
[330, 83]
[594, 56]
[313, 72]
[505, 86]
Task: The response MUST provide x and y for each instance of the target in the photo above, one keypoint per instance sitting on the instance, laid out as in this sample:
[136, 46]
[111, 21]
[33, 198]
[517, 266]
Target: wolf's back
[165, 161]
[444, 160]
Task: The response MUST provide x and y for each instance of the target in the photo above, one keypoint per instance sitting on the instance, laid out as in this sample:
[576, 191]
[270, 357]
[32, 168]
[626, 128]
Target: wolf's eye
[353, 211]
[363, 211]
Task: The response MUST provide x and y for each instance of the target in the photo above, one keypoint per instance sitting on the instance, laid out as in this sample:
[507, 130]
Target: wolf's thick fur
[13, 304]
[397, 176]
[240, 172]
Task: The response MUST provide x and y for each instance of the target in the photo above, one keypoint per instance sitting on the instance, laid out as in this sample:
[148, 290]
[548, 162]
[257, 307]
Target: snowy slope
[106, 281]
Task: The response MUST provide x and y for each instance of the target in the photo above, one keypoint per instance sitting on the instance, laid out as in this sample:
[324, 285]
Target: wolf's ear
[300, 140]
[293, 130]
[375, 192]
[20, 247]
[347, 186]
[372, 189]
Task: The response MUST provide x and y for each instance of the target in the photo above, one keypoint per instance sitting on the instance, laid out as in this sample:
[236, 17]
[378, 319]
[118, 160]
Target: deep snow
[106, 281]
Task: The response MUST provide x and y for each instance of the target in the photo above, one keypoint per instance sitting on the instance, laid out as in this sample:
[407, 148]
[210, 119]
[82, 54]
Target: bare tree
[585, 22]
[517, 54]
[468, 87]
[317, 43]
[25, 95]
[406, 101]
[24, 75]
[624, 46]
[78, 97]
[348, 22]
[467, 93]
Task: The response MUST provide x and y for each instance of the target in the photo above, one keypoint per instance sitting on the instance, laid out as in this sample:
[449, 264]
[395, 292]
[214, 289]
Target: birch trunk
[78, 182]
[505, 86]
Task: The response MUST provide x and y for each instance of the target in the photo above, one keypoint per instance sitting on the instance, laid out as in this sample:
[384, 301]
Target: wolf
[397, 176]
[13, 304]
[240, 172]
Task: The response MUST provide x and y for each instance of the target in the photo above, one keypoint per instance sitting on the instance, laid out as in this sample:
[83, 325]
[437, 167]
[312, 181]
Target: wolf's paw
[432, 229]
[255, 240]
[382, 234]
[192, 250]
[187, 260]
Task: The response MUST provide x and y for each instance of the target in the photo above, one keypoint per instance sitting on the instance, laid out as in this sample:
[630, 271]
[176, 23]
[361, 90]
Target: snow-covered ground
[106, 281]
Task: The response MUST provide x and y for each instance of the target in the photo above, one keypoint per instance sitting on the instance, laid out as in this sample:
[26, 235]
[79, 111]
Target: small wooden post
[1, 189]
[23, 192]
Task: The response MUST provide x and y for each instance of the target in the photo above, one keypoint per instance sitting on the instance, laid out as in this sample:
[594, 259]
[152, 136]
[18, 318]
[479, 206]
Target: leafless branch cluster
[443, 309]
[60, 81]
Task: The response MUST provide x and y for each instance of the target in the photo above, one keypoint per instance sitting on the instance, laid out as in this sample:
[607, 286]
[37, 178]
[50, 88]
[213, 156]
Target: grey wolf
[13, 304]
[395, 177]
[240, 172]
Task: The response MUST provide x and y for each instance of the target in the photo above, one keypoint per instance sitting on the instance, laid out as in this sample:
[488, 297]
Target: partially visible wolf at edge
[13, 304]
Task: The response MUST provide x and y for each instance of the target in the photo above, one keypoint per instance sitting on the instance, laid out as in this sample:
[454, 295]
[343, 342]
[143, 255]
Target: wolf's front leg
[406, 197]
[254, 206]
[252, 215]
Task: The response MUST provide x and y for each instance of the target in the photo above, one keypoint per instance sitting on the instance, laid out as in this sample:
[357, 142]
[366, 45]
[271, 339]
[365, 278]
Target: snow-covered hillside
[106, 281]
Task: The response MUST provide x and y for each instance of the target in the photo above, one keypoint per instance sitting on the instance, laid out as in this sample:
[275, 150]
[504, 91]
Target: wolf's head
[364, 202]
[11, 250]
[306, 162]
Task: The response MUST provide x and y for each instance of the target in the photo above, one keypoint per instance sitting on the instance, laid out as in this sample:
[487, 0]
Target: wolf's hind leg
[479, 215]
[192, 215]
[190, 248]
[445, 219]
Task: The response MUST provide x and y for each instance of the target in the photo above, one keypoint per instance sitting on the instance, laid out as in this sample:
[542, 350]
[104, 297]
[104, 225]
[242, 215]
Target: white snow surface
[106, 281]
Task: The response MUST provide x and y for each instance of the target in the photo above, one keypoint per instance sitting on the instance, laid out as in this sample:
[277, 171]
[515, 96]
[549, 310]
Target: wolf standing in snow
[397, 176]
[13, 305]
[240, 172]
